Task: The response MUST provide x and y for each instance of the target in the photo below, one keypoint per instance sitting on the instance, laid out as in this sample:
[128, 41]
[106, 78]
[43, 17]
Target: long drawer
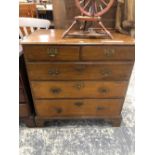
[78, 89]
[83, 107]
[108, 52]
[80, 71]
[51, 53]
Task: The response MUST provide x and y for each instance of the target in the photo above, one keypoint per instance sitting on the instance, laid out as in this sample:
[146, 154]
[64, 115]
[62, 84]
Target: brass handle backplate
[55, 90]
[79, 85]
[54, 72]
[52, 52]
[79, 103]
[109, 52]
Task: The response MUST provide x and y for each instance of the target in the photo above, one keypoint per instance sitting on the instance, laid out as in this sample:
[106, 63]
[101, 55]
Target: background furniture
[26, 112]
[75, 78]
[27, 10]
[29, 25]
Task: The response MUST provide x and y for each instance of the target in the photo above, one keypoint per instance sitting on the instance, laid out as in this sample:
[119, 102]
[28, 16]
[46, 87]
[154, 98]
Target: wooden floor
[83, 137]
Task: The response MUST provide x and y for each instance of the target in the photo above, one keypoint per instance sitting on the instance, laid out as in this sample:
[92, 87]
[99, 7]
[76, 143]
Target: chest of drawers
[78, 78]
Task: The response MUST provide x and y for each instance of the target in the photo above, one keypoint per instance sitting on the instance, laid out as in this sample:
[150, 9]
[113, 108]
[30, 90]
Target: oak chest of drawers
[78, 78]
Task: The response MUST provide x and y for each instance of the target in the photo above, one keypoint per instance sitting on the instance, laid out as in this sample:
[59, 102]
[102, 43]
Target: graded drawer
[78, 89]
[24, 110]
[108, 52]
[80, 71]
[51, 53]
[79, 108]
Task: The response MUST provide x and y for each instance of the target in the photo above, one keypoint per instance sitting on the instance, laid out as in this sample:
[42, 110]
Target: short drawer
[78, 89]
[79, 108]
[51, 53]
[24, 110]
[80, 71]
[108, 52]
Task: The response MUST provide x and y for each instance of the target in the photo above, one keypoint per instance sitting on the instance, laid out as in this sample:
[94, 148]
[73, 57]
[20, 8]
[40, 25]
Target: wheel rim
[94, 7]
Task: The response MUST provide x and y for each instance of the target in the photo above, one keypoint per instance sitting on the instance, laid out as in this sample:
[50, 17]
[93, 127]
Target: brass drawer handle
[100, 108]
[78, 104]
[80, 68]
[109, 52]
[52, 52]
[103, 90]
[58, 110]
[106, 73]
[55, 90]
[54, 72]
[79, 85]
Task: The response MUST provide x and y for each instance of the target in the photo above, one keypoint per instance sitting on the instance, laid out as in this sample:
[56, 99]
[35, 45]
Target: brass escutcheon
[52, 52]
[58, 110]
[79, 85]
[55, 90]
[80, 68]
[106, 73]
[103, 90]
[100, 108]
[79, 103]
[109, 52]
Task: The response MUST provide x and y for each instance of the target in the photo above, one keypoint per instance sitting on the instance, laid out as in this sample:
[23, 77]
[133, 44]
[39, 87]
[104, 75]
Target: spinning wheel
[94, 7]
[91, 11]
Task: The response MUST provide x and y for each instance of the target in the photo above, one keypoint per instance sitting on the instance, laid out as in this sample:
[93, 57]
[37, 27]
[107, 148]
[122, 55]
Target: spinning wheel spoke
[87, 4]
[94, 7]
[82, 1]
[95, 3]
[103, 1]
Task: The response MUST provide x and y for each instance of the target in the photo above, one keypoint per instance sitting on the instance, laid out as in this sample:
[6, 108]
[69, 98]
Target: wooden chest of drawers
[78, 78]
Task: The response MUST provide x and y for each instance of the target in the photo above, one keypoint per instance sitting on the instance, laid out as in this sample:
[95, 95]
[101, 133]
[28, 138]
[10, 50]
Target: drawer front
[24, 110]
[108, 52]
[78, 89]
[85, 107]
[51, 53]
[80, 71]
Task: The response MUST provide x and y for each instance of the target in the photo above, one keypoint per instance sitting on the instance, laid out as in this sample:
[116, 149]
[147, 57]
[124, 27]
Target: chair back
[29, 25]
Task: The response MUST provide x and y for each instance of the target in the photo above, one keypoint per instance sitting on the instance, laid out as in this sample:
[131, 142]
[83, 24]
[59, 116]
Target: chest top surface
[54, 37]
